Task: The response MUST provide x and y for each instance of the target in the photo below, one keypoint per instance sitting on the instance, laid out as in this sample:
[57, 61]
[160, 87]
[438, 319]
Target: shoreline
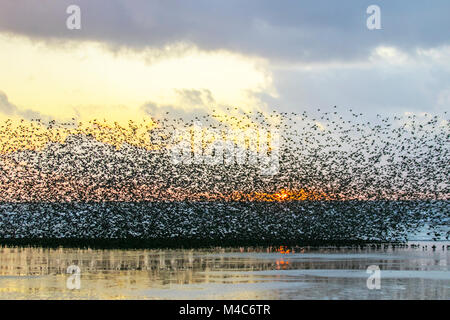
[131, 244]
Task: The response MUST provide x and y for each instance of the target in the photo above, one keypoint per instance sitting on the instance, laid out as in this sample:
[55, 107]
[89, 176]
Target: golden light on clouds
[87, 80]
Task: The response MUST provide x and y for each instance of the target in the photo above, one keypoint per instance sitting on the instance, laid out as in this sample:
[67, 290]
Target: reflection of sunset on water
[216, 273]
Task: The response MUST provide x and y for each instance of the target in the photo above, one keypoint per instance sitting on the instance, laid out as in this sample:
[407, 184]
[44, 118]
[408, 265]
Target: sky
[132, 59]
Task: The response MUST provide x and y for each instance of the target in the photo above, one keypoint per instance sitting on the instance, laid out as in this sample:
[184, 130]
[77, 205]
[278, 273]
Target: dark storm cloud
[280, 30]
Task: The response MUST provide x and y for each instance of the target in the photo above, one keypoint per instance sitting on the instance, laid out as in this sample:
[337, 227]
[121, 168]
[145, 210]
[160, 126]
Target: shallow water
[224, 273]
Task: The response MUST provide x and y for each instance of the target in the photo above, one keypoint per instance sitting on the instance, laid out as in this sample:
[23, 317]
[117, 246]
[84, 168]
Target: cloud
[392, 81]
[161, 111]
[9, 109]
[191, 104]
[90, 81]
[199, 98]
[5, 106]
[316, 53]
[292, 30]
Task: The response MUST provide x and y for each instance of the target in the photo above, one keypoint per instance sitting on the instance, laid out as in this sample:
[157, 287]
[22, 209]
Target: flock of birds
[340, 177]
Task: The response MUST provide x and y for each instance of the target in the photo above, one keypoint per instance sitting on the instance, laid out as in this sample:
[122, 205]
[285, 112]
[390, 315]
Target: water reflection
[420, 272]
